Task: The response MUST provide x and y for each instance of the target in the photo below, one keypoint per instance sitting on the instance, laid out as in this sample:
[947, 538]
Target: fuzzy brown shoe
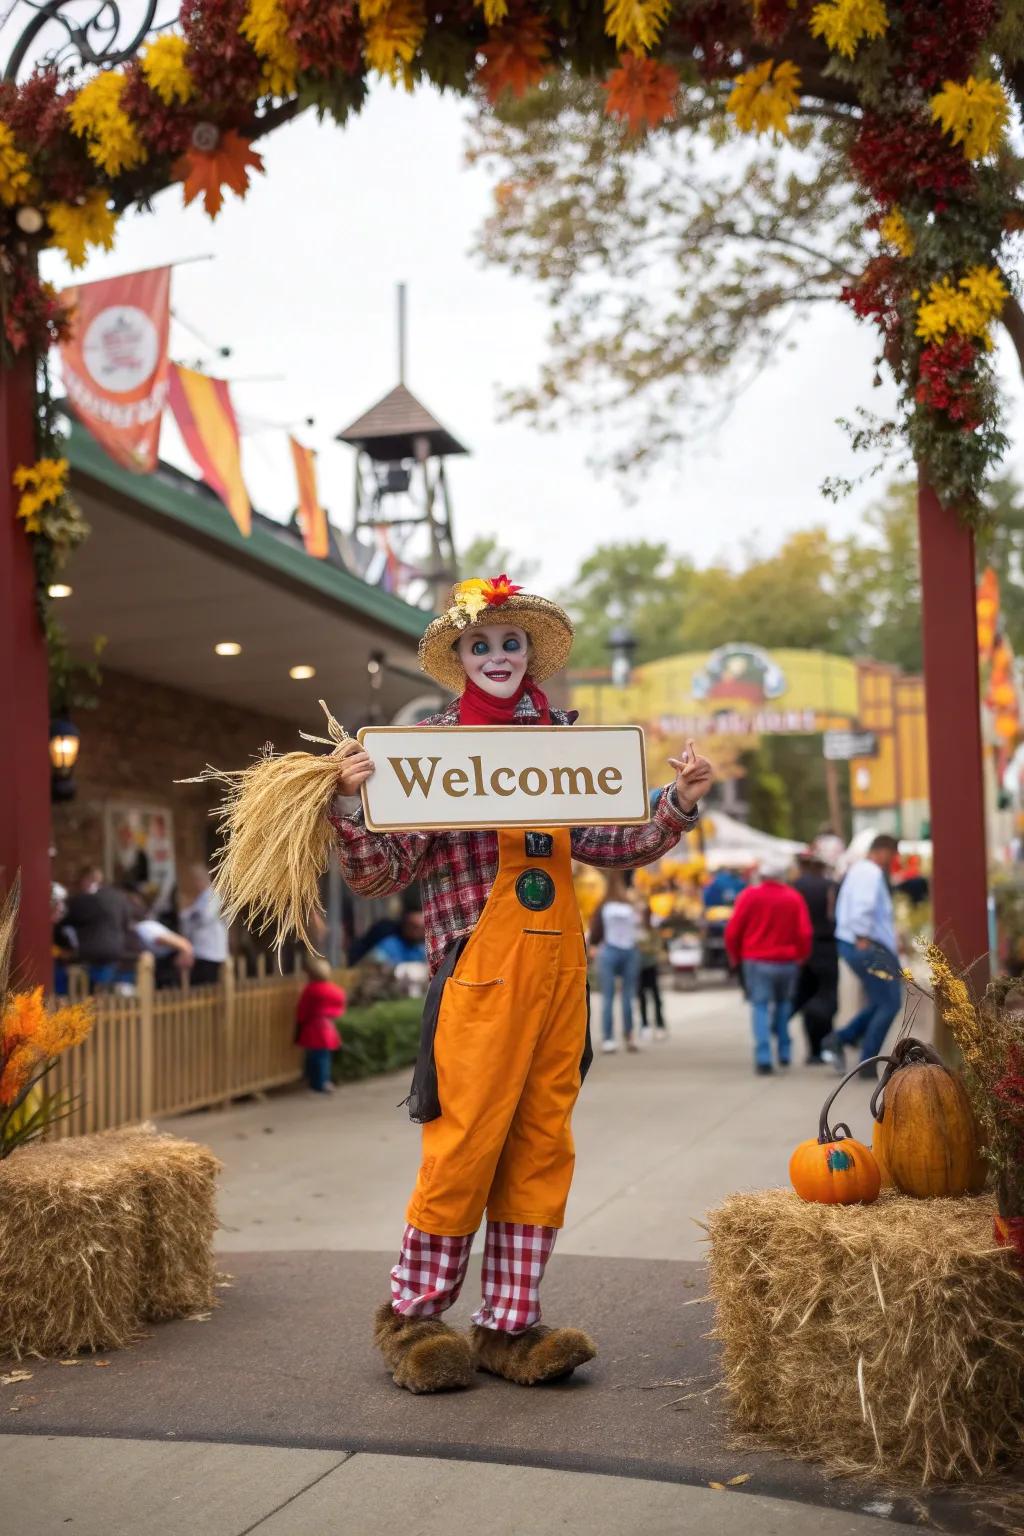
[422, 1353]
[539, 1354]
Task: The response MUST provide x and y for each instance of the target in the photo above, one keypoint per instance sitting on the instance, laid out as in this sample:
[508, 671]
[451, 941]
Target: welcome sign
[441, 777]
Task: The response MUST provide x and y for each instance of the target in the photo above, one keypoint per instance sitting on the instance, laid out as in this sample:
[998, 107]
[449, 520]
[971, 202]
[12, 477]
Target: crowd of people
[103, 928]
[785, 932]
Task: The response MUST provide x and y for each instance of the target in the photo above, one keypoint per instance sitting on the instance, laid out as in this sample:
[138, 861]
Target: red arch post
[24, 696]
[953, 714]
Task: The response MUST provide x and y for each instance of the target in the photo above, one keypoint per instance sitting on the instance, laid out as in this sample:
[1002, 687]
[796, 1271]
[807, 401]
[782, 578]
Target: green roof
[211, 521]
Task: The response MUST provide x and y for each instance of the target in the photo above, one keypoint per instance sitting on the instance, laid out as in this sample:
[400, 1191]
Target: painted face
[495, 657]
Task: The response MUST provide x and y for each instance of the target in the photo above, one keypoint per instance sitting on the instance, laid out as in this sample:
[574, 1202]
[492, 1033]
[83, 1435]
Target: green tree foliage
[857, 596]
[487, 556]
[676, 265]
[674, 273]
[767, 792]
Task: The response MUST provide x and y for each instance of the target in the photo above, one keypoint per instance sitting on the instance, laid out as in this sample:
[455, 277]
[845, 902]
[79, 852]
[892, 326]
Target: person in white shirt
[866, 938]
[615, 928]
[202, 925]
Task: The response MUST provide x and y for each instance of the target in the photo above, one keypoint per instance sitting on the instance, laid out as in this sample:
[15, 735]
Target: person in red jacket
[320, 1005]
[770, 935]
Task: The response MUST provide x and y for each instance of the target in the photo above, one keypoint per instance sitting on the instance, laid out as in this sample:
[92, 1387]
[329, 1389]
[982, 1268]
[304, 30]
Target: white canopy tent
[728, 842]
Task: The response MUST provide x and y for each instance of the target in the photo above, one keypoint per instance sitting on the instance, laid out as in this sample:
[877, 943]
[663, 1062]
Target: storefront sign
[841, 746]
[430, 777]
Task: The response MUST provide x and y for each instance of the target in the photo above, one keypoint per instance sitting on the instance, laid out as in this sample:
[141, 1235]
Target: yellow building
[728, 698]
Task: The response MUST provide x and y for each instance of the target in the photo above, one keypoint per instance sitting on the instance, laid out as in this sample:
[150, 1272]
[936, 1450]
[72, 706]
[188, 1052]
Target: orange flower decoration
[30, 1037]
[517, 57]
[498, 590]
[642, 91]
[227, 164]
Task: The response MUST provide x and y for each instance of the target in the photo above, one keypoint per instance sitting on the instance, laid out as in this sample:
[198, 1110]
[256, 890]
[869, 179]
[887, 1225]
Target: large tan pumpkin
[925, 1136]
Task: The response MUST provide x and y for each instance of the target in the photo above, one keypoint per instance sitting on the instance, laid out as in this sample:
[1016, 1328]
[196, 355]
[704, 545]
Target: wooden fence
[156, 1053]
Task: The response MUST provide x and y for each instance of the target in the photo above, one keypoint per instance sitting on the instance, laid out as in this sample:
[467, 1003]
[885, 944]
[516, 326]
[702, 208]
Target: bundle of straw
[276, 836]
[883, 1340]
[100, 1235]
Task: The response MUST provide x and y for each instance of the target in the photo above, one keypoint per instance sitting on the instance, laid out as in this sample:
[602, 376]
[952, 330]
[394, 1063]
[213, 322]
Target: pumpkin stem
[824, 1134]
[904, 1054]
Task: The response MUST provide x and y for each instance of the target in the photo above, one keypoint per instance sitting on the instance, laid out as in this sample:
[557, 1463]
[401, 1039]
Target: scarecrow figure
[505, 1040]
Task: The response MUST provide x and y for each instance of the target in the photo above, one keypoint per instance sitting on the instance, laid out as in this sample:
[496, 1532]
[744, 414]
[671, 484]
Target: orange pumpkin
[925, 1132]
[879, 1156]
[834, 1169]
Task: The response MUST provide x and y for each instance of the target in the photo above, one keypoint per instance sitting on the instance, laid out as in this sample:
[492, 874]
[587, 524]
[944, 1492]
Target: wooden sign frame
[534, 822]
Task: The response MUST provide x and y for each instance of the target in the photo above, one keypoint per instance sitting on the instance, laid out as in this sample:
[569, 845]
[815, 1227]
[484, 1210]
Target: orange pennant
[204, 413]
[312, 517]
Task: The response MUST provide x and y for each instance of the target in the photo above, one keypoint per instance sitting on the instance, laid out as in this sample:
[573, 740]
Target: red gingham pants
[428, 1276]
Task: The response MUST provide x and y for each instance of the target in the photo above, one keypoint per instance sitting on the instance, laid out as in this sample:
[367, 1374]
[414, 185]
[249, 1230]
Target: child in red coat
[320, 1005]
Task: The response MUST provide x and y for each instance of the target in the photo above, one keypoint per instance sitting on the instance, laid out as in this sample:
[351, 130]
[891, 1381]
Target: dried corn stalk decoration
[276, 839]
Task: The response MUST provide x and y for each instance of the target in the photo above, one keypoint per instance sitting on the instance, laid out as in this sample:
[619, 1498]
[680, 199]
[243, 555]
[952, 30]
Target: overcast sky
[303, 287]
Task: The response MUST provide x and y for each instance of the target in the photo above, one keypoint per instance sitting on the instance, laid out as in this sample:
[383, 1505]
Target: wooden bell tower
[401, 489]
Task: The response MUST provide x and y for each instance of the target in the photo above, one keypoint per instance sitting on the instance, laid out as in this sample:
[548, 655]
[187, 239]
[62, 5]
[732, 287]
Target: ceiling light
[301, 673]
[228, 648]
[59, 589]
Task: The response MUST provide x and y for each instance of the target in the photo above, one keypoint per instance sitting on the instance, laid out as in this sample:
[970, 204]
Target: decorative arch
[919, 99]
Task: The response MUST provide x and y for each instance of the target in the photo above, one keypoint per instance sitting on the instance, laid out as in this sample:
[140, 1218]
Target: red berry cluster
[35, 114]
[326, 37]
[1009, 1089]
[877, 292]
[941, 42]
[946, 380]
[773, 19]
[224, 67]
[32, 311]
[896, 158]
[715, 33]
[165, 130]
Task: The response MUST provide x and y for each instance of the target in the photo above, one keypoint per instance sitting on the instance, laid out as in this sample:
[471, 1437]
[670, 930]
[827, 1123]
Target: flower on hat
[498, 590]
[473, 595]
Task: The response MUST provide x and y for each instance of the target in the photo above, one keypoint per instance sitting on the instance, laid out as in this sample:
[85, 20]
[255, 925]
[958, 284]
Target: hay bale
[101, 1234]
[884, 1339]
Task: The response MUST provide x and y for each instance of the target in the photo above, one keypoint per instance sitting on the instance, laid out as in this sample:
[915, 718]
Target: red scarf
[476, 707]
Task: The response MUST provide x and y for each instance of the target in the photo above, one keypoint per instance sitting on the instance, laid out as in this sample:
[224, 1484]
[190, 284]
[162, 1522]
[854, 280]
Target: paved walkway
[271, 1415]
[660, 1137]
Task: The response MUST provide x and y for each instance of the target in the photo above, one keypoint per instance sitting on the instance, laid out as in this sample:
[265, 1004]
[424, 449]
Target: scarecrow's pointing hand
[354, 771]
[694, 777]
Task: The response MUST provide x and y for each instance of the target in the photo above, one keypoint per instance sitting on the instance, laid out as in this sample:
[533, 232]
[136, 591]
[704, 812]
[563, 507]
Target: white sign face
[121, 348]
[431, 777]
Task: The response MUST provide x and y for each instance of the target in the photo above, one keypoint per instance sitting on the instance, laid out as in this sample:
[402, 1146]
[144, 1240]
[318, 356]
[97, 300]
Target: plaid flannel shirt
[456, 869]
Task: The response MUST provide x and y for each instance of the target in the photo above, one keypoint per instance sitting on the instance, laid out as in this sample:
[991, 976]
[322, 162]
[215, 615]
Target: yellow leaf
[718, 1487]
[742, 1477]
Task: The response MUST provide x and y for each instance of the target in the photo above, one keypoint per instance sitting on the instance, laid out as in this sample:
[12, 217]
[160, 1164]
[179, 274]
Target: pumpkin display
[834, 1169]
[925, 1132]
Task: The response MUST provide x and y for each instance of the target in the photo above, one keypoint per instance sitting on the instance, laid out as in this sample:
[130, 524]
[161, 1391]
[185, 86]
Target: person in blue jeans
[769, 934]
[866, 937]
[614, 927]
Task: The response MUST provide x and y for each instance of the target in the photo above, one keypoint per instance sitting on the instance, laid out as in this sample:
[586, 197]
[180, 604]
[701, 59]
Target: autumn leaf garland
[927, 143]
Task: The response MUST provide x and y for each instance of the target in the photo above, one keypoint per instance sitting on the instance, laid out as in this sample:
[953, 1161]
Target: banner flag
[312, 517]
[206, 419]
[114, 363]
[988, 612]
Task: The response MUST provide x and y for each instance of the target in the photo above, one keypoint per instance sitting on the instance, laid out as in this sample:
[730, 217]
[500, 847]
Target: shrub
[380, 1038]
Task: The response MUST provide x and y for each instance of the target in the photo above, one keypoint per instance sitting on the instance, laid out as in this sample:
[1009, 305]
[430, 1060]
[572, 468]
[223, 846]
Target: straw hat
[495, 600]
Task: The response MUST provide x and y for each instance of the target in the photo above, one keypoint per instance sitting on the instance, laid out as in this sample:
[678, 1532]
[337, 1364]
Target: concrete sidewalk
[660, 1137]
[251, 1425]
[133, 1488]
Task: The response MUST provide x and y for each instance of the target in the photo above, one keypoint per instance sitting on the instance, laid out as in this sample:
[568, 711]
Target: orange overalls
[508, 1049]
